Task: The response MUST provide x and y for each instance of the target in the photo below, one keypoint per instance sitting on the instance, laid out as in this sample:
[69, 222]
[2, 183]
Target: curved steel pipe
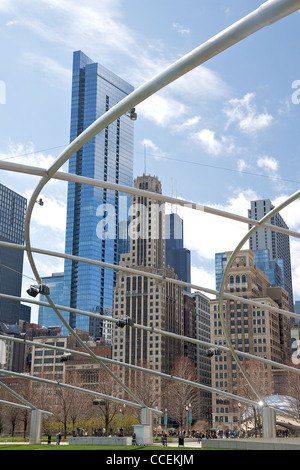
[268, 13]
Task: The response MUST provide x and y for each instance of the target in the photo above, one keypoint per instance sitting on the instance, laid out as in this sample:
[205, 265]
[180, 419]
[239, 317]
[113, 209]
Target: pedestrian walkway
[253, 443]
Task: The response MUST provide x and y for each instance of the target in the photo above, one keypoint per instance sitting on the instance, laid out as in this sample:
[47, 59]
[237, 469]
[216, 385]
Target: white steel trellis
[31, 170]
[266, 14]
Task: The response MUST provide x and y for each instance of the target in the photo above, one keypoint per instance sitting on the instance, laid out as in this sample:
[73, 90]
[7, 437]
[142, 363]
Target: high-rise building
[47, 316]
[277, 243]
[252, 329]
[147, 301]
[189, 328]
[177, 257]
[297, 310]
[295, 333]
[273, 269]
[202, 361]
[12, 219]
[297, 307]
[95, 216]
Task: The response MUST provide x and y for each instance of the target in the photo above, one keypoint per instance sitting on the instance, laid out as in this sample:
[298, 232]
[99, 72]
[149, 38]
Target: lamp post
[121, 419]
[156, 419]
[190, 415]
[188, 409]
[166, 419]
[239, 423]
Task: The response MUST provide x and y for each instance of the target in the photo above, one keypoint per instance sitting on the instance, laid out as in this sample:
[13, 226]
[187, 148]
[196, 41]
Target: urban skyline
[85, 106]
[178, 128]
[239, 128]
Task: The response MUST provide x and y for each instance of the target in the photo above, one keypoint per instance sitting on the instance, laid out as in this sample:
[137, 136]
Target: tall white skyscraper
[277, 243]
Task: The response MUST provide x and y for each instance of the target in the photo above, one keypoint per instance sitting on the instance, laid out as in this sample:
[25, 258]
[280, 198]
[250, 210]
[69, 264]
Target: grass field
[106, 448]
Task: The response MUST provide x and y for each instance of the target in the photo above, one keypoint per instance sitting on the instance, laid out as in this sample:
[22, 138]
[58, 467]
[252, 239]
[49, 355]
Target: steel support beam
[69, 177]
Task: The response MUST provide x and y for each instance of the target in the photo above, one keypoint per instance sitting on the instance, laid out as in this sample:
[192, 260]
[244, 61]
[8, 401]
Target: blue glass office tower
[55, 282]
[220, 265]
[95, 215]
[274, 269]
[177, 257]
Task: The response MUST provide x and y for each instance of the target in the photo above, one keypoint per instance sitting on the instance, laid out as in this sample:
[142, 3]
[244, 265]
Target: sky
[224, 134]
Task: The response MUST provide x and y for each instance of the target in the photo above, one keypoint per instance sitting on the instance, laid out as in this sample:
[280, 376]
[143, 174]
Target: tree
[146, 386]
[179, 396]
[261, 377]
[13, 417]
[292, 387]
[107, 409]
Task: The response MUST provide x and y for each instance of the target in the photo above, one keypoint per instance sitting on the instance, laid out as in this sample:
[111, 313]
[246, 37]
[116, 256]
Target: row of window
[237, 279]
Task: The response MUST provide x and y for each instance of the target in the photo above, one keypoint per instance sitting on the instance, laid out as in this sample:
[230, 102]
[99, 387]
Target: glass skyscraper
[273, 269]
[96, 216]
[177, 257]
[277, 243]
[12, 220]
[55, 282]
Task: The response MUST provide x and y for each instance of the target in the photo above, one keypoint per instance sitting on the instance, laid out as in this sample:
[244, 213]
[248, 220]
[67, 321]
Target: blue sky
[222, 135]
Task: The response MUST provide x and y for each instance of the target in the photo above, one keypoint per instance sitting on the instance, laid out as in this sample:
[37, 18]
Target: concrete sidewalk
[252, 444]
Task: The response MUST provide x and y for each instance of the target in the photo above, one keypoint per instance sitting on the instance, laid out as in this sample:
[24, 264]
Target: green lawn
[113, 448]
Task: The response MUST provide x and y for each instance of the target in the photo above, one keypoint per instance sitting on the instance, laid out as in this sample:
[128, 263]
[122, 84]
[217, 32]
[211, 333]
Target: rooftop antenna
[171, 205]
[145, 158]
[172, 195]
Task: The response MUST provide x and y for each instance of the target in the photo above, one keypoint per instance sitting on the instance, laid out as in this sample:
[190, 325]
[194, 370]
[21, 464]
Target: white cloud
[243, 112]
[75, 24]
[213, 146]
[48, 222]
[209, 142]
[291, 216]
[156, 152]
[163, 110]
[98, 29]
[203, 278]
[173, 105]
[180, 28]
[187, 124]
[25, 153]
[11, 23]
[52, 214]
[206, 234]
[242, 165]
[6, 6]
[270, 165]
[50, 68]
[291, 213]
[201, 83]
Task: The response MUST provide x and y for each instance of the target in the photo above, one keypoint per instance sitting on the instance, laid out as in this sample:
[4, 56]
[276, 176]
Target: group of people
[58, 438]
